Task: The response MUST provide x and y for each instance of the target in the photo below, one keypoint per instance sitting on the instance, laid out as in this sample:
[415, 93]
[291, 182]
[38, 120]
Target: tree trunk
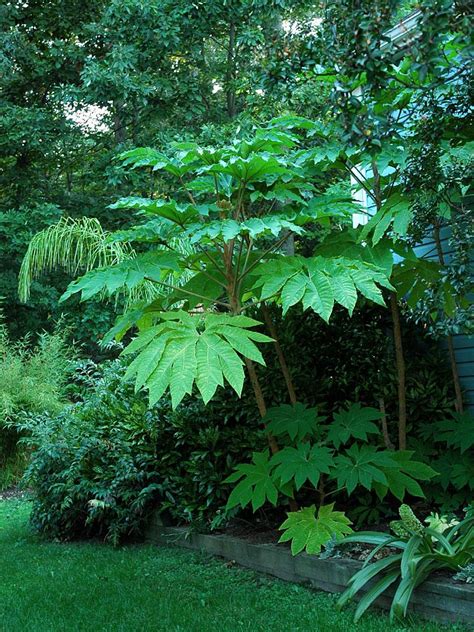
[452, 356]
[119, 125]
[386, 437]
[262, 408]
[230, 73]
[401, 373]
[281, 357]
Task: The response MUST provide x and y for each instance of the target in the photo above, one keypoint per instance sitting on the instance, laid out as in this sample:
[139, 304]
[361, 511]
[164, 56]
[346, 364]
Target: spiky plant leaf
[362, 465]
[319, 282]
[458, 432]
[151, 266]
[180, 214]
[309, 531]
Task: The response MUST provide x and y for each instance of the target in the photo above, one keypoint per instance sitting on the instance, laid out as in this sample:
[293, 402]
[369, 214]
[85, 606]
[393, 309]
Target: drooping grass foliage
[79, 245]
[71, 244]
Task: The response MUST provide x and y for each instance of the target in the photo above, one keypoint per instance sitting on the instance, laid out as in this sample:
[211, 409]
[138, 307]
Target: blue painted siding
[463, 345]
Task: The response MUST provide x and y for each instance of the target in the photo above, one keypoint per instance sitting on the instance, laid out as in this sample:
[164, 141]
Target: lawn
[49, 587]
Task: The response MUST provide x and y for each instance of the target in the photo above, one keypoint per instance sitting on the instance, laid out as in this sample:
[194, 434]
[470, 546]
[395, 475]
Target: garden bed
[438, 598]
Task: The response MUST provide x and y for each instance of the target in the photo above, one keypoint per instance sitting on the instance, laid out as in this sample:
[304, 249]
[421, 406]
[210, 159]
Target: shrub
[102, 465]
[32, 381]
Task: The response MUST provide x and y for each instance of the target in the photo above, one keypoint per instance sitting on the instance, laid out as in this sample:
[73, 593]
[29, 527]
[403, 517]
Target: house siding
[463, 345]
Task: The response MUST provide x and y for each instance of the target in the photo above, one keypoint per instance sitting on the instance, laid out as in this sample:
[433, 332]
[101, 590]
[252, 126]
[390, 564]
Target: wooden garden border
[439, 599]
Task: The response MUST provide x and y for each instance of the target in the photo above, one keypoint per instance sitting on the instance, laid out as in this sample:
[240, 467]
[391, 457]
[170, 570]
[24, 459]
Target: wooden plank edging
[439, 599]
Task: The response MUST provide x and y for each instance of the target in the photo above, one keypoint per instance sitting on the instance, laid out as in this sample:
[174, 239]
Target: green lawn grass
[49, 587]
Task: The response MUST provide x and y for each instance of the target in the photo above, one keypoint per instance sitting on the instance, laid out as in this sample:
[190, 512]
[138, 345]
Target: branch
[180, 289]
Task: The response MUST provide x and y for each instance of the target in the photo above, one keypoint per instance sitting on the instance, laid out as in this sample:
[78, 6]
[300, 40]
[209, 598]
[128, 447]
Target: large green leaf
[303, 463]
[185, 350]
[395, 213]
[153, 266]
[309, 531]
[253, 168]
[256, 484]
[180, 214]
[457, 432]
[403, 476]
[361, 465]
[296, 420]
[355, 422]
[319, 282]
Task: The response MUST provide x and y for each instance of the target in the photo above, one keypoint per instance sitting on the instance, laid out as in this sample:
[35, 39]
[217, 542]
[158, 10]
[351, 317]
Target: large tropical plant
[238, 208]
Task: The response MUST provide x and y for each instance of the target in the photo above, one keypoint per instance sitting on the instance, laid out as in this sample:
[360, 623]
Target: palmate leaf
[256, 484]
[355, 422]
[463, 473]
[362, 465]
[177, 165]
[458, 432]
[301, 464]
[253, 168]
[319, 282]
[180, 214]
[311, 532]
[295, 420]
[254, 227]
[184, 350]
[404, 475]
[127, 274]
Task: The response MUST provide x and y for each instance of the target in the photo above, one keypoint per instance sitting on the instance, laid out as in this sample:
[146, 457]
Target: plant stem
[281, 357]
[386, 437]
[262, 408]
[401, 373]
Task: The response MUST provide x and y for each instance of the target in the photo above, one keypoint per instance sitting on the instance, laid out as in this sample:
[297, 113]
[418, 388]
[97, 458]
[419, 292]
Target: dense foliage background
[81, 82]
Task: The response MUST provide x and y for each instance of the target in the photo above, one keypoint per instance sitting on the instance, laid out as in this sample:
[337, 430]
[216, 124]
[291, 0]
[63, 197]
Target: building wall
[463, 345]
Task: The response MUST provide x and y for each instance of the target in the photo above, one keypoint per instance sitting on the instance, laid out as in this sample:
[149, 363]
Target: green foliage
[456, 432]
[33, 381]
[310, 530]
[186, 349]
[319, 283]
[356, 422]
[297, 421]
[420, 552]
[104, 464]
[302, 463]
[309, 462]
[362, 465]
[257, 485]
